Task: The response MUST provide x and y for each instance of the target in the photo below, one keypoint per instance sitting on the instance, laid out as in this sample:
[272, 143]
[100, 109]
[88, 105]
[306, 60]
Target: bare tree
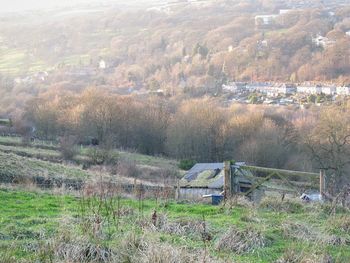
[329, 144]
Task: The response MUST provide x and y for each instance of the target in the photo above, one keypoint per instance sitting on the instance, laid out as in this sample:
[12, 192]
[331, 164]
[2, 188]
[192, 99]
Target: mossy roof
[211, 175]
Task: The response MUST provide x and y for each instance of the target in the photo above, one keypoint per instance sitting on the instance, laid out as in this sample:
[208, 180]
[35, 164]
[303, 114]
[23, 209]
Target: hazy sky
[22, 5]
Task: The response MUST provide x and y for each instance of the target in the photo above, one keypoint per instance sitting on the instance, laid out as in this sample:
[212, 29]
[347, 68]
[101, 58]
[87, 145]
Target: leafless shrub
[241, 241]
[67, 147]
[166, 175]
[128, 168]
[23, 129]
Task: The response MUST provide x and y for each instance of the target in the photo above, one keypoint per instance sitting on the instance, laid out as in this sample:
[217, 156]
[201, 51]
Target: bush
[68, 148]
[128, 168]
[186, 164]
[100, 156]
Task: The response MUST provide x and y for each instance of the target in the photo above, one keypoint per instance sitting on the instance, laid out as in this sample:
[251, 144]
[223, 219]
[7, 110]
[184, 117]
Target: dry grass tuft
[251, 217]
[82, 249]
[293, 256]
[304, 232]
[145, 249]
[165, 253]
[276, 205]
[194, 228]
[183, 227]
[341, 223]
[241, 241]
[299, 231]
[240, 201]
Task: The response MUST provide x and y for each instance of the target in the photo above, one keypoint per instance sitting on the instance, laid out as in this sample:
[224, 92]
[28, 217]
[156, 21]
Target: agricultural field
[42, 227]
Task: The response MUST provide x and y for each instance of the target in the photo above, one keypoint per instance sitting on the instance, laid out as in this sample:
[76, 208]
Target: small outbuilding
[205, 179]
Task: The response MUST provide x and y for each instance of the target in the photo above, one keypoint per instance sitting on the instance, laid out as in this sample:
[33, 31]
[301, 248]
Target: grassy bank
[35, 226]
[49, 151]
[17, 169]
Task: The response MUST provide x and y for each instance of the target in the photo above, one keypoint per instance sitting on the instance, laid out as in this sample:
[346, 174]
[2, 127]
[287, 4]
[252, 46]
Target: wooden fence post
[135, 187]
[177, 192]
[227, 179]
[322, 183]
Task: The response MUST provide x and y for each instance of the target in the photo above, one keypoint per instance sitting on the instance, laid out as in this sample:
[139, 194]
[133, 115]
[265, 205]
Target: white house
[265, 20]
[323, 42]
[234, 87]
[329, 90]
[259, 87]
[285, 11]
[287, 88]
[309, 89]
[102, 64]
[272, 90]
[343, 90]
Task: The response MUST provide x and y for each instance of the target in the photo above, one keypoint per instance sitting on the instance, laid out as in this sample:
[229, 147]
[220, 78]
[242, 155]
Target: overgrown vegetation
[95, 228]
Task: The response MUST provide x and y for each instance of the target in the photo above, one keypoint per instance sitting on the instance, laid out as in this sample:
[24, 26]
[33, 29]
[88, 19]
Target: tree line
[198, 129]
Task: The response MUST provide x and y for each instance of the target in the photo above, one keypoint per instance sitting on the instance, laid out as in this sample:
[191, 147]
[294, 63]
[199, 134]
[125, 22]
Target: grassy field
[46, 150]
[99, 225]
[17, 61]
[31, 223]
[14, 168]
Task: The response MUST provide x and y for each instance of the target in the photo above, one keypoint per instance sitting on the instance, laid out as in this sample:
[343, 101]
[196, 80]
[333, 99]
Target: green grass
[17, 141]
[26, 218]
[148, 160]
[17, 61]
[76, 60]
[30, 151]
